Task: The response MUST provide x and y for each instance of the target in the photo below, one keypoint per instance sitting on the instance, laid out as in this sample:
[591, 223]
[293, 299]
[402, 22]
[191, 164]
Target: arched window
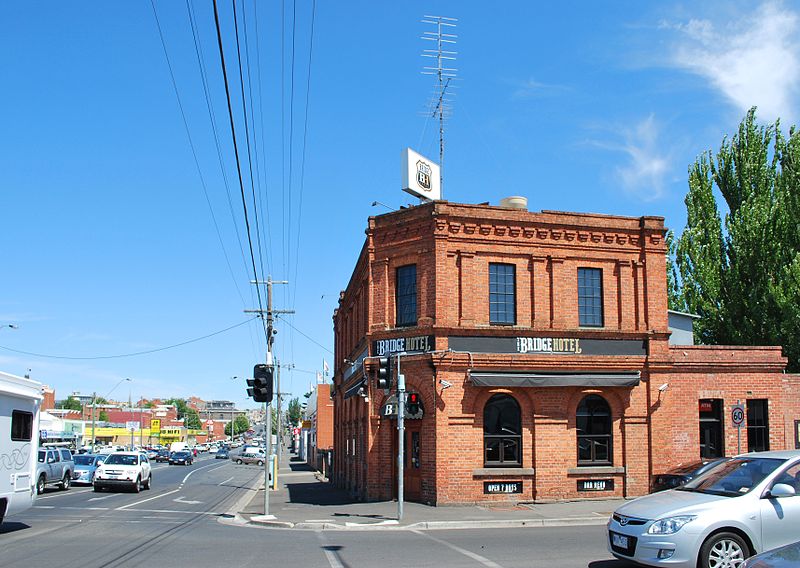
[593, 422]
[502, 432]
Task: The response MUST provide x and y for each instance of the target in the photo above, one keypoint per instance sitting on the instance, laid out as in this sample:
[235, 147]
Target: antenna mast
[444, 74]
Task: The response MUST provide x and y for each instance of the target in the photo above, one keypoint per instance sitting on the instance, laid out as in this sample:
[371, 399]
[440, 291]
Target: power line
[236, 152]
[311, 339]
[194, 152]
[305, 139]
[247, 138]
[128, 354]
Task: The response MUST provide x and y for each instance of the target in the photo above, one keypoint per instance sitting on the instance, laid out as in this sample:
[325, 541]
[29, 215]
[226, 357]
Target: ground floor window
[593, 423]
[757, 425]
[502, 432]
[711, 439]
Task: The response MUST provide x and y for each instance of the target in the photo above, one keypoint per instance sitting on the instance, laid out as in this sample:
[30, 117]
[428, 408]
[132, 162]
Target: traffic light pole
[401, 411]
[270, 313]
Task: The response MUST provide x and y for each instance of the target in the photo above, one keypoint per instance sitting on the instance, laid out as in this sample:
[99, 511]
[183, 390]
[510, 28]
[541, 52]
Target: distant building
[319, 413]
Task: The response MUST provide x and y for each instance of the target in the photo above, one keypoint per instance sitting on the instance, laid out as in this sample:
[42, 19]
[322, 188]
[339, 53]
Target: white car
[738, 508]
[124, 469]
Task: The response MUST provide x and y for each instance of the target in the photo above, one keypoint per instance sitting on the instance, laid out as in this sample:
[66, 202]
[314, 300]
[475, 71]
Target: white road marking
[226, 481]
[146, 500]
[39, 497]
[182, 500]
[192, 473]
[476, 557]
[105, 497]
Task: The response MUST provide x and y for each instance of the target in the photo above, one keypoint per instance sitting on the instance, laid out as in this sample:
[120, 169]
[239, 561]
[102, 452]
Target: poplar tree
[739, 265]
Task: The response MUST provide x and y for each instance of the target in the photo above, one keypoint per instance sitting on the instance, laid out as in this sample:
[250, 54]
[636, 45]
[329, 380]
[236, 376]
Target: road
[182, 522]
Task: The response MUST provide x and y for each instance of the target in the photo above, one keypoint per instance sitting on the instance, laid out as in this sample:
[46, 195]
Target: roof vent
[515, 202]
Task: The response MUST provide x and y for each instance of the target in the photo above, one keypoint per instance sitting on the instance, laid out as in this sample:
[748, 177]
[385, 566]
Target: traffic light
[260, 386]
[412, 402]
[384, 372]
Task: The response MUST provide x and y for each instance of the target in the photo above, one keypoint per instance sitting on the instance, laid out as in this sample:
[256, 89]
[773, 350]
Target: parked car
[222, 455]
[55, 467]
[124, 469]
[683, 473]
[247, 457]
[183, 458]
[162, 456]
[746, 505]
[784, 557]
[85, 467]
[152, 454]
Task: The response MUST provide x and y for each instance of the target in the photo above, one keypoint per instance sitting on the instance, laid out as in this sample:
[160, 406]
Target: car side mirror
[781, 490]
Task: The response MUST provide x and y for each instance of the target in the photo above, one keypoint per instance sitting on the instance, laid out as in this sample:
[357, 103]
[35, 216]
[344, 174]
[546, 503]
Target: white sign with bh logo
[420, 176]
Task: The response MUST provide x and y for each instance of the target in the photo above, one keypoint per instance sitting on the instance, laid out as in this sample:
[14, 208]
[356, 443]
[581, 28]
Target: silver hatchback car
[740, 507]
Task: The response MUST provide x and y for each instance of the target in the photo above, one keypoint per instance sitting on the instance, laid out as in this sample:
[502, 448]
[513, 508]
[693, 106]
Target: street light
[94, 409]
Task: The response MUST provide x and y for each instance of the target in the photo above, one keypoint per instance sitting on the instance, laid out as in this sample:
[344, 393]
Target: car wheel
[149, 481]
[65, 483]
[724, 550]
[97, 489]
[260, 463]
[137, 485]
[239, 462]
[41, 484]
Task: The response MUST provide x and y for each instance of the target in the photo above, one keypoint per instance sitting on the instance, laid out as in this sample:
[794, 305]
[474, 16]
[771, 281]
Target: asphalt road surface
[182, 522]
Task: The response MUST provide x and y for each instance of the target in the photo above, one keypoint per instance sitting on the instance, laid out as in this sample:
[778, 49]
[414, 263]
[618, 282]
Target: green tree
[294, 413]
[180, 404]
[240, 424]
[740, 268]
[191, 419]
[103, 416]
[71, 403]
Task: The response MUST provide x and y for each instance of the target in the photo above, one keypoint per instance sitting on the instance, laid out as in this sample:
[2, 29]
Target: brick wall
[452, 246]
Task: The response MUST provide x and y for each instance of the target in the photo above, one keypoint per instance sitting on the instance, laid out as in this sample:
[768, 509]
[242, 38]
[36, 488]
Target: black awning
[353, 390]
[550, 379]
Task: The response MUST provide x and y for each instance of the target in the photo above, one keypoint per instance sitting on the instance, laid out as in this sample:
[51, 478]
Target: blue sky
[109, 244]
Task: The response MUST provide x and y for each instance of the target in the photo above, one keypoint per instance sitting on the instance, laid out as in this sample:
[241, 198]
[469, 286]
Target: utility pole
[270, 319]
[94, 404]
[280, 421]
[401, 435]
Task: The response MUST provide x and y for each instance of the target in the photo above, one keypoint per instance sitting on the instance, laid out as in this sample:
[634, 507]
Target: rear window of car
[42, 456]
[66, 455]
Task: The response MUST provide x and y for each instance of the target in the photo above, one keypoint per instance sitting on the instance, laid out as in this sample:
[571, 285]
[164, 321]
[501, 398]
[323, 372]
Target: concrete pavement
[305, 500]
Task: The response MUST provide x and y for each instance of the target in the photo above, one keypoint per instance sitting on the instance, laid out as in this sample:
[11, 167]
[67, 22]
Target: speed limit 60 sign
[737, 415]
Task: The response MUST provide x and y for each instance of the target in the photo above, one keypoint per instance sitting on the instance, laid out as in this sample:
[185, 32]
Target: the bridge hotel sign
[415, 344]
[537, 345]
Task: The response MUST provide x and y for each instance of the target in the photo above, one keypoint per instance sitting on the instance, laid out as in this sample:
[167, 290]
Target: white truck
[20, 401]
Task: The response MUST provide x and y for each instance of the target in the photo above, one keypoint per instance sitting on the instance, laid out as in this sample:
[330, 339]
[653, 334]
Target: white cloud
[533, 89]
[646, 163]
[753, 61]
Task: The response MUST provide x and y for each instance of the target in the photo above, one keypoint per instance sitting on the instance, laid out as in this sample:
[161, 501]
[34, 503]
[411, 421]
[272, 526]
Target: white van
[178, 447]
[20, 401]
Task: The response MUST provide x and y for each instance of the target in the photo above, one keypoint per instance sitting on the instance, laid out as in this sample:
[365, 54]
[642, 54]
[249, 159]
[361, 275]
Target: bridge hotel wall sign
[416, 344]
[549, 345]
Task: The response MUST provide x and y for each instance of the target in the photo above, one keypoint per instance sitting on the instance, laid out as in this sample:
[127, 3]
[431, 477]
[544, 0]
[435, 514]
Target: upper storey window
[406, 295]
[590, 297]
[502, 293]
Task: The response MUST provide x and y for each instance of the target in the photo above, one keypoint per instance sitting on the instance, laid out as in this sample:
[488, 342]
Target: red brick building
[539, 347]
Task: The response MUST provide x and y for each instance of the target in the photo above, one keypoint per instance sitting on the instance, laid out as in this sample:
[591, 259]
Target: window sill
[602, 469]
[502, 471]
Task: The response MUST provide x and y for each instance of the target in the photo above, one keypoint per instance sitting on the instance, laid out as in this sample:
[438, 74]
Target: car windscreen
[122, 459]
[84, 460]
[733, 478]
[180, 455]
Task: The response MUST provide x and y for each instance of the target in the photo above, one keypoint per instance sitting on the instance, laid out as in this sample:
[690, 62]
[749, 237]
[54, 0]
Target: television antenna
[440, 107]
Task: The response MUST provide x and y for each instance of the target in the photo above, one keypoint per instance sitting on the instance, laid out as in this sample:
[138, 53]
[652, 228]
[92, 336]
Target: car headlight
[670, 525]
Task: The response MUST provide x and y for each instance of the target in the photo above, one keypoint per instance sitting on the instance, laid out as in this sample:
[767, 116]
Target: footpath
[306, 500]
